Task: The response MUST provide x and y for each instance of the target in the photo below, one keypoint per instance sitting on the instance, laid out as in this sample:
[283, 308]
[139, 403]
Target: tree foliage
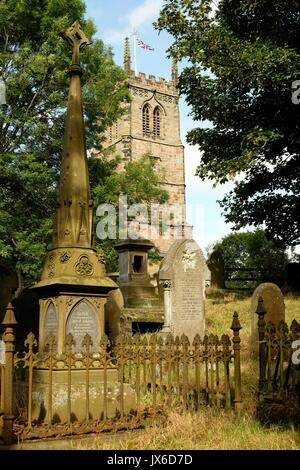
[140, 182]
[242, 62]
[252, 250]
[33, 65]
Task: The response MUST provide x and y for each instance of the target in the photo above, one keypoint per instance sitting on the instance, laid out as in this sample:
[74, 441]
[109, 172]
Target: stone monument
[73, 286]
[274, 306]
[143, 308]
[216, 266]
[134, 279]
[182, 274]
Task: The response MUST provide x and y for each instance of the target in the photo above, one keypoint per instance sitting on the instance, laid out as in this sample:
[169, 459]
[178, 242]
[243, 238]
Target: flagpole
[134, 53]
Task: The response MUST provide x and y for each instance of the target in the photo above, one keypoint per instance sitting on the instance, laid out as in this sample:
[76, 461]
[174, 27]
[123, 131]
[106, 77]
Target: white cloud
[113, 36]
[144, 13]
[194, 183]
[192, 157]
[139, 16]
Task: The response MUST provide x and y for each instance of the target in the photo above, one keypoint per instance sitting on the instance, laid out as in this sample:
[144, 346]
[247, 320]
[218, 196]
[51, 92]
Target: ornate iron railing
[156, 370]
[279, 372]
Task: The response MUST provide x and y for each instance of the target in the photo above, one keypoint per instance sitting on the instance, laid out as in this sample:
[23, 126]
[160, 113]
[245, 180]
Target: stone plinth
[40, 395]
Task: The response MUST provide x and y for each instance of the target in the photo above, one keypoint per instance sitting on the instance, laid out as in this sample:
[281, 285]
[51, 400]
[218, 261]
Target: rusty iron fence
[279, 368]
[136, 373]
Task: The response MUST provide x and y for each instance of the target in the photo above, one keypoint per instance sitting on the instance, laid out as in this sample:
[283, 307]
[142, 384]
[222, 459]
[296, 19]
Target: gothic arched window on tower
[146, 120]
[156, 122]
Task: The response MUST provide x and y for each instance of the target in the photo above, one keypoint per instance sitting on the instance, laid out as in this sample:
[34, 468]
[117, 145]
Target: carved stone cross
[77, 40]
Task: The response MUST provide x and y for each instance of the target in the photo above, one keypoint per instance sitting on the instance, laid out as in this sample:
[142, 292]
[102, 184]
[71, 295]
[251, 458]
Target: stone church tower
[151, 125]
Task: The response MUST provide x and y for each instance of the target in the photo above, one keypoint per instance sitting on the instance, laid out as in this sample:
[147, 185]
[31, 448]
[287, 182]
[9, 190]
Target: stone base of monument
[41, 389]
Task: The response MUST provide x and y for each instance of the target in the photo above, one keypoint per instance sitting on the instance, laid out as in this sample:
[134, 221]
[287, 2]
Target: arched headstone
[183, 273]
[274, 306]
[216, 266]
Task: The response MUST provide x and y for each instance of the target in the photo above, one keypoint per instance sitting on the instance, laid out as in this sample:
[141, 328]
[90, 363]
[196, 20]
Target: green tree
[33, 65]
[252, 250]
[140, 182]
[242, 62]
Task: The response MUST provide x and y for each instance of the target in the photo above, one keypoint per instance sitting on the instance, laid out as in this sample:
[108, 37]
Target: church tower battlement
[151, 125]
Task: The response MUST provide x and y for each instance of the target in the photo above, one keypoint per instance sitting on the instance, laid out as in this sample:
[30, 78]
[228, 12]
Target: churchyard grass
[208, 430]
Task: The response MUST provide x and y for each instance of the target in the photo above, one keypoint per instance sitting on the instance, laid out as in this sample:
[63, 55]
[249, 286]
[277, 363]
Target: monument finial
[77, 40]
[127, 59]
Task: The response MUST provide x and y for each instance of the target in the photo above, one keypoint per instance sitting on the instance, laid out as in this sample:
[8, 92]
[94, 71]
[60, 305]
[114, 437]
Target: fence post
[9, 339]
[236, 327]
[261, 324]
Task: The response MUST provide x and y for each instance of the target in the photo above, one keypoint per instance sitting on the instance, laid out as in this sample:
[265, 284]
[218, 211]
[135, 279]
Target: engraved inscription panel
[81, 321]
[51, 323]
[191, 297]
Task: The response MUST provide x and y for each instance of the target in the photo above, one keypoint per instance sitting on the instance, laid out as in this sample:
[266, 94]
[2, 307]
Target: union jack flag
[143, 44]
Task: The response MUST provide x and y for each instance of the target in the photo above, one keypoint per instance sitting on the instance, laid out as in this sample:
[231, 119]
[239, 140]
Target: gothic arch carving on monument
[82, 319]
[50, 320]
[72, 303]
[48, 302]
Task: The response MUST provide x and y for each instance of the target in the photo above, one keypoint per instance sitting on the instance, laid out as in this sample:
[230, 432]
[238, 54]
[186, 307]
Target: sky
[117, 19]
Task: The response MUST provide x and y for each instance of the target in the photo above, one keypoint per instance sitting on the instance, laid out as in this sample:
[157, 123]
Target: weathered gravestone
[216, 266]
[274, 306]
[182, 274]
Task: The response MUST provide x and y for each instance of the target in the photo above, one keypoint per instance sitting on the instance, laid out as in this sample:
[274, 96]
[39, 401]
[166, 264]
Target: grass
[211, 428]
[219, 314]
